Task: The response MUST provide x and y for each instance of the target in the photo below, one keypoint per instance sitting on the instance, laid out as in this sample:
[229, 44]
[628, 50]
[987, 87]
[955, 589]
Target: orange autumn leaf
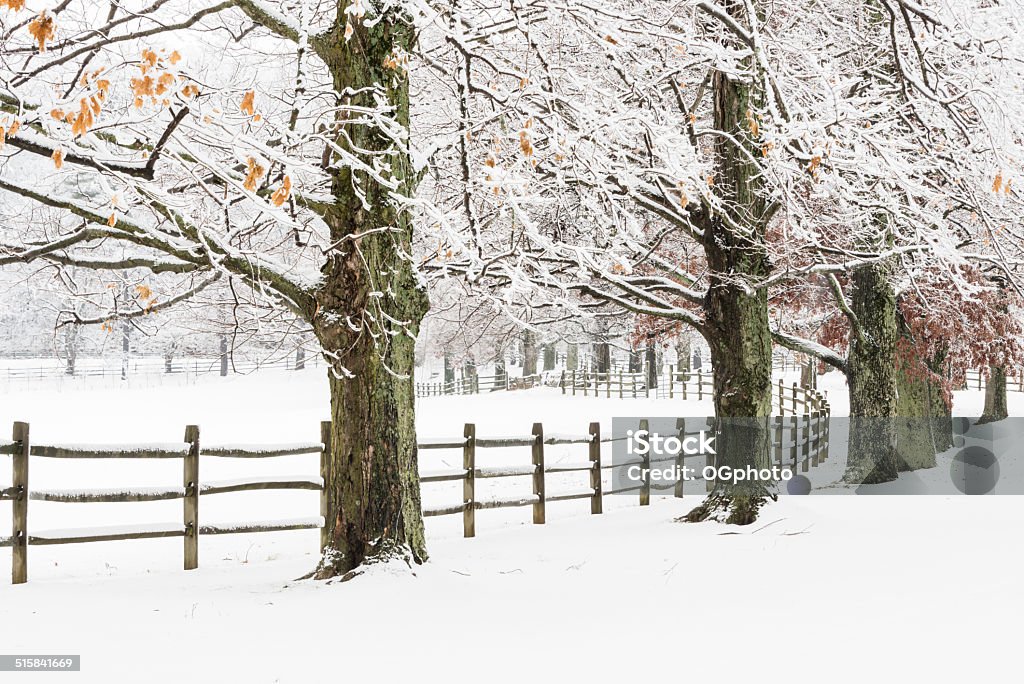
[15, 127]
[190, 91]
[42, 28]
[149, 60]
[112, 220]
[3, 137]
[13, 5]
[58, 157]
[997, 184]
[253, 176]
[281, 194]
[175, 57]
[248, 105]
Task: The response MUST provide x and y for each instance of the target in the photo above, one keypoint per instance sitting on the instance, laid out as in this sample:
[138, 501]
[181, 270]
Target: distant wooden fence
[799, 442]
[976, 380]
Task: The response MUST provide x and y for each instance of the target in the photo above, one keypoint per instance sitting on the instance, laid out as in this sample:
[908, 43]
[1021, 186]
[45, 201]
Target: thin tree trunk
[995, 396]
[602, 357]
[683, 354]
[572, 356]
[529, 353]
[372, 481]
[651, 359]
[549, 357]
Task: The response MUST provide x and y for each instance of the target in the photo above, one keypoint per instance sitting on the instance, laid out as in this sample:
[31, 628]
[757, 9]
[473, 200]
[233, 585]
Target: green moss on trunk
[367, 312]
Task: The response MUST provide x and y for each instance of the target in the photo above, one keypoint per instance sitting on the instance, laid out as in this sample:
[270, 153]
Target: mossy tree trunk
[924, 426]
[995, 396]
[736, 321]
[372, 481]
[871, 374]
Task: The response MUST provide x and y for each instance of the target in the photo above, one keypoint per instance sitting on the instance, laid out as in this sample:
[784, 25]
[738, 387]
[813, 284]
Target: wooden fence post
[645, 468]
[680, 458]
[574, 382]
[796, 439]
[469, 484]
[19, 528]
[671, 380]
[782, 398]
[806, 436]
[561, 381]
[815, 434]
[620, 384]
[191, 508]
[686, 379]
[596, 501]
[794, 398]
[778, 439]
[538, 473]
[325, 474]
[709, 460]
[700, 386]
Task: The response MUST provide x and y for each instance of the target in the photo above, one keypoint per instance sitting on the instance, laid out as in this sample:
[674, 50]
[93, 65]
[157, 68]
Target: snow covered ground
[835, 588]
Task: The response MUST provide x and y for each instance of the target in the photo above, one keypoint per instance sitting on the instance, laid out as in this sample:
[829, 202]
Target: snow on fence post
[538, 473]
[19, 528]
[595, 468]
[469, 483]
[325, 473]
[681, 429]
[191, 508]
[645, 467]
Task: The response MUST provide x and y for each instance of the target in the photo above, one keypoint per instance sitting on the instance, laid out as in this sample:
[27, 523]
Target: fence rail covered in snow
[800, 441]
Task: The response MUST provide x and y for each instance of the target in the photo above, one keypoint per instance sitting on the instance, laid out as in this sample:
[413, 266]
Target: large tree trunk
[372, 480]
[736, 322]
[872, 378]
[995, 396]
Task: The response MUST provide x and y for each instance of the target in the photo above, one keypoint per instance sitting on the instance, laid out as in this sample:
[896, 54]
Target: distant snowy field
[628, 593]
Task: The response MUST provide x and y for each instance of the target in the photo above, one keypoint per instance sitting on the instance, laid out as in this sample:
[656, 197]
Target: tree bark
[736, 321]
[549, 357]
[683, 354]
[572, 356]
[367, 312]
[602, 357]
[529, 353]
[995, 396]
[871, 376]
[652, 364]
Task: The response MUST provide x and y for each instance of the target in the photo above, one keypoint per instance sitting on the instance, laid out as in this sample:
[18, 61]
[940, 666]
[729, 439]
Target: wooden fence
[191, 489]
[976, 380]
[800, 440]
